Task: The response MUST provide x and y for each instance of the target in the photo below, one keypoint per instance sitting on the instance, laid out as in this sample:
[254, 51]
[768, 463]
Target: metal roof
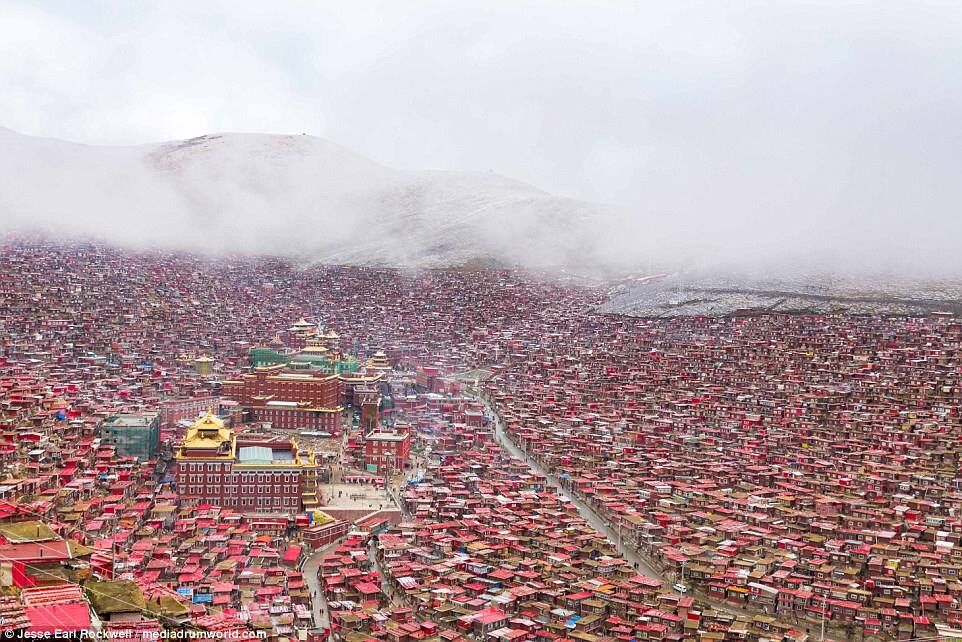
[255, 455]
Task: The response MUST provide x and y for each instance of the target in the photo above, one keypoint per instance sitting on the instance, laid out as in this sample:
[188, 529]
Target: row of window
[279, 417]
[281, 413]
[251, 478]
[200, 467]
[231, 489]
[261, 502]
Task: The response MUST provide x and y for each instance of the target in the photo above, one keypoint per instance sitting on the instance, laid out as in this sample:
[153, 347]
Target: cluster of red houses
[797, 465]
[794, 467]
[489, 551]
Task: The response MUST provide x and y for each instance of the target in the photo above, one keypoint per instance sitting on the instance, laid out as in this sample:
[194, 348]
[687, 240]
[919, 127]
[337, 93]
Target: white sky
[836, 122]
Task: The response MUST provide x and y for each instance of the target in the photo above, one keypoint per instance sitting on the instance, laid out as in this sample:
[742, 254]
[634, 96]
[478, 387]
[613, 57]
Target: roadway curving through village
[586, 512]
[318, 600]
[596, 521]
[312, 565]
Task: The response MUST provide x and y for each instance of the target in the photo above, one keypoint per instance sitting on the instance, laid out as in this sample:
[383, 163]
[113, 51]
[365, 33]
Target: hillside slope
[294, 195]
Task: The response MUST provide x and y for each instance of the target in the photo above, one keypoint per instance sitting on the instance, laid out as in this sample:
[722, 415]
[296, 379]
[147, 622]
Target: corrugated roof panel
[255, 454]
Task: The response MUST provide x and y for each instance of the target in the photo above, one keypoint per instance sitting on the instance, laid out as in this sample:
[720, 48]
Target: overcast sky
[830, 122]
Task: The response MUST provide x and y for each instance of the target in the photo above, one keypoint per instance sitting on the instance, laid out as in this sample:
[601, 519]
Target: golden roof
[207, 432]
[210, 420]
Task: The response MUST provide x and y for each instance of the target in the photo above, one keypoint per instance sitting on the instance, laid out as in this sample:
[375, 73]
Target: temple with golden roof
[214, 465]
[305, 388]
[313, 350]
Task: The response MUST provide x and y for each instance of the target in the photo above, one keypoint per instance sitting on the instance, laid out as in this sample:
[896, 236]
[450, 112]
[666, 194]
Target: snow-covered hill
[294, 195]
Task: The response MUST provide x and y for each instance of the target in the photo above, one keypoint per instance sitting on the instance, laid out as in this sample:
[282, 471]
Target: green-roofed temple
[302, 380]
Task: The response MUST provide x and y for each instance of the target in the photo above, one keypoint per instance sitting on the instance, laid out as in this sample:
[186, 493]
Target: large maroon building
[245, 473]
[309, 400]
[368, 399]
[388, 451]
[173, 410]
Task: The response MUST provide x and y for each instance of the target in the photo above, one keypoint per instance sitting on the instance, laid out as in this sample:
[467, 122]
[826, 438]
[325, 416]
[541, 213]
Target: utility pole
[824, 608]
[113, 557]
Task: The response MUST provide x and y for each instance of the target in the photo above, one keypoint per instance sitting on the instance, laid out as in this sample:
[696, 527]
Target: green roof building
[132, 435]
[261, 357]
[318, 360]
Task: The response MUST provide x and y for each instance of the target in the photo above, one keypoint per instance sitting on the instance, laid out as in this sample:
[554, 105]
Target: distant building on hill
[204, 365]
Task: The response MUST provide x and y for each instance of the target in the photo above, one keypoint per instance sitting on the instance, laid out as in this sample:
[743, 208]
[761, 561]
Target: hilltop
[293, 195]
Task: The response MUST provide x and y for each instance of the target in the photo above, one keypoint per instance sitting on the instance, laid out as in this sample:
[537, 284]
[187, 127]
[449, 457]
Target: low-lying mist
[310, 199]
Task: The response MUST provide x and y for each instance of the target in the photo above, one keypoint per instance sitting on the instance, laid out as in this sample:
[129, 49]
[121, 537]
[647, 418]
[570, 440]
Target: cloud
[720, 130]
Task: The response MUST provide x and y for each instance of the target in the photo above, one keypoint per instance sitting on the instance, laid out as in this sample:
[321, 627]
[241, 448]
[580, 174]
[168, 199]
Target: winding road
[313, 563]
[586, 512]
[590, 516]
[311, 566]
[318, 600]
